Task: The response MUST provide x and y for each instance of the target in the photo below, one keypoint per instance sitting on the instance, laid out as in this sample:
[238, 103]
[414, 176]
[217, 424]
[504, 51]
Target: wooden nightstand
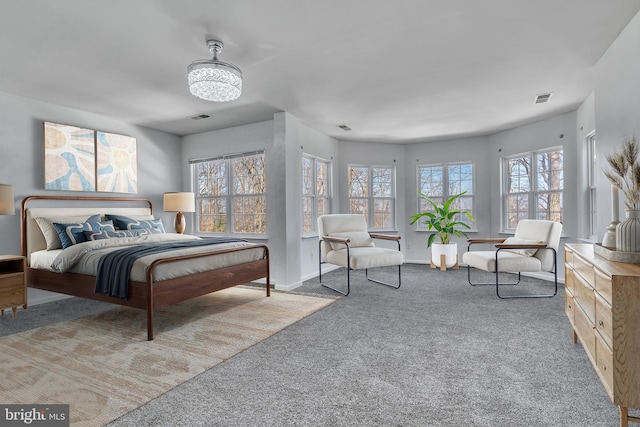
[13, 283]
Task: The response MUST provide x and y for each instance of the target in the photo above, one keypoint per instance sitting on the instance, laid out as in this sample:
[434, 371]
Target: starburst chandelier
[214, 80]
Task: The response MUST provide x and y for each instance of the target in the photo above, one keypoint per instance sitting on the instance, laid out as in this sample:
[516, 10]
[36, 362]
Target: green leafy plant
[624, 171]
[443, 219]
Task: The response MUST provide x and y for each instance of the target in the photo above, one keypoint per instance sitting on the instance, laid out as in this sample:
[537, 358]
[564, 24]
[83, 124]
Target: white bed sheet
[42, 259]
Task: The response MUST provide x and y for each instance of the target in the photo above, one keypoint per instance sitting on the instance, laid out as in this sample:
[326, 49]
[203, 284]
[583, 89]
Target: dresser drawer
[586, 332]
[569, 306]
[569, 280]
[604, 323]
[584, 269]
[604, 365]
[585, 297]
[568, 256]
[603, 284]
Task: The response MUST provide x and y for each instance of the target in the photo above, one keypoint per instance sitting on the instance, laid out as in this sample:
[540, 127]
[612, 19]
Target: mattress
[83, 258]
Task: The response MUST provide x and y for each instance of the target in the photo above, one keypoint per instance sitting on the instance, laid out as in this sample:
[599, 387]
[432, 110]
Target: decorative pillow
[70, 234]
[127, 223]
[105, 225]
[146, 224]
[523, 252]
[51, 234]
[111, 234]
[358, 239]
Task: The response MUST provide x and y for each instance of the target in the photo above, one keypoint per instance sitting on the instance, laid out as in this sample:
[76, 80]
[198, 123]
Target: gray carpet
[436, 352]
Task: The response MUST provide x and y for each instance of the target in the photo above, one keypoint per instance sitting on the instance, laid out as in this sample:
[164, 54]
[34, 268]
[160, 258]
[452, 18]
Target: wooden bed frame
[147, 295]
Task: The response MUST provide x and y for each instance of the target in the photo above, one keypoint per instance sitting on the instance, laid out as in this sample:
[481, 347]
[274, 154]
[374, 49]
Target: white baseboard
[288, 287]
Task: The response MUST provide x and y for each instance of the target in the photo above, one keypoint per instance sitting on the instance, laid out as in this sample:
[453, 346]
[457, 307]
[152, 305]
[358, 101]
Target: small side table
[13, 283]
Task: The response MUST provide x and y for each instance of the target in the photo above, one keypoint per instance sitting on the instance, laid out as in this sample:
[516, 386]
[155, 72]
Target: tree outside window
[533, 187]
[315, 191]
[372, 193]
[442, 181]
[230, 191]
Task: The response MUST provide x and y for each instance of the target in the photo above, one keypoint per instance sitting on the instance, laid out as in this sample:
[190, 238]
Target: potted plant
[445, 221]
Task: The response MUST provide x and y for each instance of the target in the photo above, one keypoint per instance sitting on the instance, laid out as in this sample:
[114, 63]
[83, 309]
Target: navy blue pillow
[70, 234]
[109, 234]
[126, 223]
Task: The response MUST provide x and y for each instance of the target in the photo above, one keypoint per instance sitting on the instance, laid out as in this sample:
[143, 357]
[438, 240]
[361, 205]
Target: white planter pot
[450, 250]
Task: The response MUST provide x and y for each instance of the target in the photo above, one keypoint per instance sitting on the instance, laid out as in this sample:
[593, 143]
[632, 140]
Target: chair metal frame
[501, 246]
[366, 270]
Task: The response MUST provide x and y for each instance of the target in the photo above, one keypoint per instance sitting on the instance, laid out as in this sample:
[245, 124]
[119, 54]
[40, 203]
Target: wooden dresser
[602, 301]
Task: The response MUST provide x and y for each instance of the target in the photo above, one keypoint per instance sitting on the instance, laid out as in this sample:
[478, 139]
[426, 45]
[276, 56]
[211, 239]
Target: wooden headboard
[32, 239]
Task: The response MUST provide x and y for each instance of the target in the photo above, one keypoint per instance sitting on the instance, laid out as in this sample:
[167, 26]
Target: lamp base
[180, 223]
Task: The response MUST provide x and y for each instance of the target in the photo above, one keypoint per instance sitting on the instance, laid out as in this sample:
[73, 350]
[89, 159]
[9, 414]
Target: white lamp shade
[179, 202]
[6, 200]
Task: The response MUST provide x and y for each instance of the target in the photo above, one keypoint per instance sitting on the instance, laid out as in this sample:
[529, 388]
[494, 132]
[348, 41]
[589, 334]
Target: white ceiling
[394, 71]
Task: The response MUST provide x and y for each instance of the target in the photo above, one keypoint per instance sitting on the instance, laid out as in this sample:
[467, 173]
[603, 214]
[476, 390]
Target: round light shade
[7, 206]
[179, 202]
[213, 80]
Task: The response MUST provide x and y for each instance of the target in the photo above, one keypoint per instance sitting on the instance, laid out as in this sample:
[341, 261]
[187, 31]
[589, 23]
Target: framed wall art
[69, 158]
[116, 161]
[79, 159]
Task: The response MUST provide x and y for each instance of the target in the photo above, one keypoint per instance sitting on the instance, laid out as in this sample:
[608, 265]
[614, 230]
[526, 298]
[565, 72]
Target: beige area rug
[103, 366]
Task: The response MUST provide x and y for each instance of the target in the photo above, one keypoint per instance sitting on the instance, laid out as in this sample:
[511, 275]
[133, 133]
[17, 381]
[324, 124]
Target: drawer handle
[569, 305]
[601, 323]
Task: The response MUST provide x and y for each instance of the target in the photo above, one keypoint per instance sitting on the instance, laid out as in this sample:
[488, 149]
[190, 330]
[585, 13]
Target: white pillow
[523, 252]
[49, 231]
[358, 239]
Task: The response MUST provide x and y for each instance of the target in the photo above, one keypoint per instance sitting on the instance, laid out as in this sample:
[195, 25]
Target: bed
[154, 282]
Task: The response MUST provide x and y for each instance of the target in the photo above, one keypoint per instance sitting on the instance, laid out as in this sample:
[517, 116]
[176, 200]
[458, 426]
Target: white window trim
[370, 198]
[445, 186]
[314, 232]
[229, 197]
[533, 184]
[592, 213]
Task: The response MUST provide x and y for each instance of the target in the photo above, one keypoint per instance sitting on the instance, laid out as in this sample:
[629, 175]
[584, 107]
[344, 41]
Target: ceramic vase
[628, 232]
[450, 250]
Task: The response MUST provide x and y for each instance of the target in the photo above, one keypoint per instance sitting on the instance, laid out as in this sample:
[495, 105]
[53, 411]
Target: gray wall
[617, 107]
[284, 139]
[22, 144]
[474, 150]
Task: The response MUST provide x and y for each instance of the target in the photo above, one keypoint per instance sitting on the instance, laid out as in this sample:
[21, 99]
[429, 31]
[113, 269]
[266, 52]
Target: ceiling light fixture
[214, 80]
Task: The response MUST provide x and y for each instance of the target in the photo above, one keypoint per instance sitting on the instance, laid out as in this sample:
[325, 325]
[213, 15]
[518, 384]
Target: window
[230, 194]
[442, 181]
[533, 184]
[316, 189]
[591, 165]
[372, 193]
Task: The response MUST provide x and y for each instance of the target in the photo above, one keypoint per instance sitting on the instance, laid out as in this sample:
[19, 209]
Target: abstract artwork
[69, 158]
[78, 159]
[116, 160]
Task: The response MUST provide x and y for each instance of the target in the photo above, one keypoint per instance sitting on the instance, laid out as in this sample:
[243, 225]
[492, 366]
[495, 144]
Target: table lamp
[7, 206]
[179, 202]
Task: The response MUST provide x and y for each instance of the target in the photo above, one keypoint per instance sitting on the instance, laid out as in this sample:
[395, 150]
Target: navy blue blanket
[114, 268]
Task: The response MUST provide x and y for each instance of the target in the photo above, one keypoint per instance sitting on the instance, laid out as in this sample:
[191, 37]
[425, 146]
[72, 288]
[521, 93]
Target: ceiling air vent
[344, 127]
[542, 98]
[200, 116]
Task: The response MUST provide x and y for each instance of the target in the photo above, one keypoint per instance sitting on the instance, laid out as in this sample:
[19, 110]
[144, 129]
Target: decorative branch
[624, 171]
